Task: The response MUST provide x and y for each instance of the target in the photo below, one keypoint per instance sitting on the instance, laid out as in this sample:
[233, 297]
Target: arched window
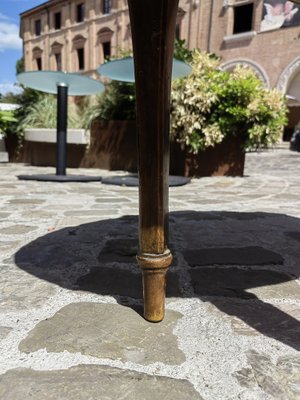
[37, 58]
[56, 53]
[258, 70]
[104, 40]
[79, 50]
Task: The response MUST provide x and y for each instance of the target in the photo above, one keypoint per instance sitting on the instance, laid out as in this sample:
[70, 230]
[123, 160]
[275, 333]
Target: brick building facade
[77, 35]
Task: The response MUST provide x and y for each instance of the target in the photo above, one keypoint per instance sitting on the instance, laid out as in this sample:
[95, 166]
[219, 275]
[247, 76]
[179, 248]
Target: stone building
[78, 35]
[74, 36]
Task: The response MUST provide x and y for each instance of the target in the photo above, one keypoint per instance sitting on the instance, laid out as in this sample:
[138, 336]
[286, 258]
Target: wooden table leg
[153, 25]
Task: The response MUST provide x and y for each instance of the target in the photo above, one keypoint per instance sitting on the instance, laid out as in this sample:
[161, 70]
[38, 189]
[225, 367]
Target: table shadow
[255, 250]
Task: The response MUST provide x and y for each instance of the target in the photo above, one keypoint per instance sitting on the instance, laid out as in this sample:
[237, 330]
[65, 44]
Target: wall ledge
[74, 136]
[238, 37]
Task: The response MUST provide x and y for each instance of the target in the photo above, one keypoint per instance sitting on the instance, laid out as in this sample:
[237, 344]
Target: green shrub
[207, 105]
[6, 119]
[116, 103]
[210, 104]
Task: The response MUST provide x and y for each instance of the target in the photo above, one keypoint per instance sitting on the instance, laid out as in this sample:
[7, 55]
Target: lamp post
[61, 131]
[153, 25]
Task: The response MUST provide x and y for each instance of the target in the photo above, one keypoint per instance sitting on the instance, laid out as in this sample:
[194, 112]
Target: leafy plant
[43, 114]
[210, 104]
[25, 99]
[207, 106]
[20, 65]
[6, 118]
[116, 103]
[181, 52]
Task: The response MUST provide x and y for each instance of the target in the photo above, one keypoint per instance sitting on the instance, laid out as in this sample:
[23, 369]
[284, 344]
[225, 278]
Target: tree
[20, 66]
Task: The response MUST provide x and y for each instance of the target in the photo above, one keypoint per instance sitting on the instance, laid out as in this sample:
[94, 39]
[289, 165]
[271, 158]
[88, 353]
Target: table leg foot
[154, 269]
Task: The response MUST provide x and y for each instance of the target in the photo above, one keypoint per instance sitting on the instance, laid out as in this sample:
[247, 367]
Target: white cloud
[9, 35]
[4, 17]
[6, 87]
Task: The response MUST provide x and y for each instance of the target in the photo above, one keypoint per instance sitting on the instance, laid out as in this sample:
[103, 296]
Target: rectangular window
[80, 12]
[243, 17]
[106, 6]
[37, 27]
[80, 56]
[57, 20]
[58, 61]
[106, 50]
[38, 63]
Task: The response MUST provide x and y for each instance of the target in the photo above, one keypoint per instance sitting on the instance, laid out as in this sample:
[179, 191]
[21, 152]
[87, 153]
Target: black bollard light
[62, 123]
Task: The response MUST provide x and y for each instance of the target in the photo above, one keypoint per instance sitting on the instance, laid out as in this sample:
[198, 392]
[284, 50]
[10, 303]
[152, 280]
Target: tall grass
[43, 114]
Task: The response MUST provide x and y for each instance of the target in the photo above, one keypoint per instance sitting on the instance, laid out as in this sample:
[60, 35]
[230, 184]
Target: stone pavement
[70, 298]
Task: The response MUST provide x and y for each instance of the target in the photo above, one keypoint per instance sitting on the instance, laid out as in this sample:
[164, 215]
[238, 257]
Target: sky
[10, 42]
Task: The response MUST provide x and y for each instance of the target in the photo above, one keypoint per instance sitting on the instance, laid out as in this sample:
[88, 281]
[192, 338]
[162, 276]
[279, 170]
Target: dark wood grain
[153, 25]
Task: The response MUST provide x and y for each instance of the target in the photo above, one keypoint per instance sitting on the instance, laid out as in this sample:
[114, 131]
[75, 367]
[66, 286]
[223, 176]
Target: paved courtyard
[70, 299]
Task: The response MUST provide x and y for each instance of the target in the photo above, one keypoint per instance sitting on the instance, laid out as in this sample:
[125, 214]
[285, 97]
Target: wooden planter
[40, 147]
[224, 159]
[14, 147]
[113, 146]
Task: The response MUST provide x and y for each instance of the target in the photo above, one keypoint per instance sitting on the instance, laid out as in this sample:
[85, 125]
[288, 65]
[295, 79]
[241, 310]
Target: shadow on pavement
[239, 262]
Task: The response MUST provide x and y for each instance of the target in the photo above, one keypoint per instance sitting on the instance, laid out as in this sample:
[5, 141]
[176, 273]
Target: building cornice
[40, 7]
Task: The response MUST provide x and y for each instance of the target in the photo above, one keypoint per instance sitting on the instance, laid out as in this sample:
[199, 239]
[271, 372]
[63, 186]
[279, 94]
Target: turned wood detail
[154, 267]
[153, 25]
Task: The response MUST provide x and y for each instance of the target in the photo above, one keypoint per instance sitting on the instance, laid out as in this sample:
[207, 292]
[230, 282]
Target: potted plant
[6, 119]
[113, 129]
[40, 129]
[216, 116]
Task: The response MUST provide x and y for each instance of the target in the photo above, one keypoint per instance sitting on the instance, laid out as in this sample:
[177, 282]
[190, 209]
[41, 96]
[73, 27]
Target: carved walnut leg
[153, 30]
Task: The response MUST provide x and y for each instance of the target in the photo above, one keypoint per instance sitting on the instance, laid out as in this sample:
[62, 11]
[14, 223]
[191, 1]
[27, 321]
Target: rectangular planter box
[40, 147]
[113, 146]
[74, 136]
[224, 159]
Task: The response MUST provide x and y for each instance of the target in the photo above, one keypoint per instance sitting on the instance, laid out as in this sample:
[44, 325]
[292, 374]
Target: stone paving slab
[70, 288]
[20, 290]
[16, 230]
[92, 382]
[107, 331]
[250, 255]
[280, 380]
[252, 318]
[4, 331]
[243, 283]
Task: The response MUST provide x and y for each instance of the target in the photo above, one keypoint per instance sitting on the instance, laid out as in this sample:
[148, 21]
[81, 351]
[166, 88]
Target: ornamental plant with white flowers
[210, 104]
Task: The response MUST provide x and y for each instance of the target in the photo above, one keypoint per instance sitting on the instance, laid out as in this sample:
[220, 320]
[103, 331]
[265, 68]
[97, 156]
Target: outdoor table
[123, 69]
[62, 84]
[153, 24]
